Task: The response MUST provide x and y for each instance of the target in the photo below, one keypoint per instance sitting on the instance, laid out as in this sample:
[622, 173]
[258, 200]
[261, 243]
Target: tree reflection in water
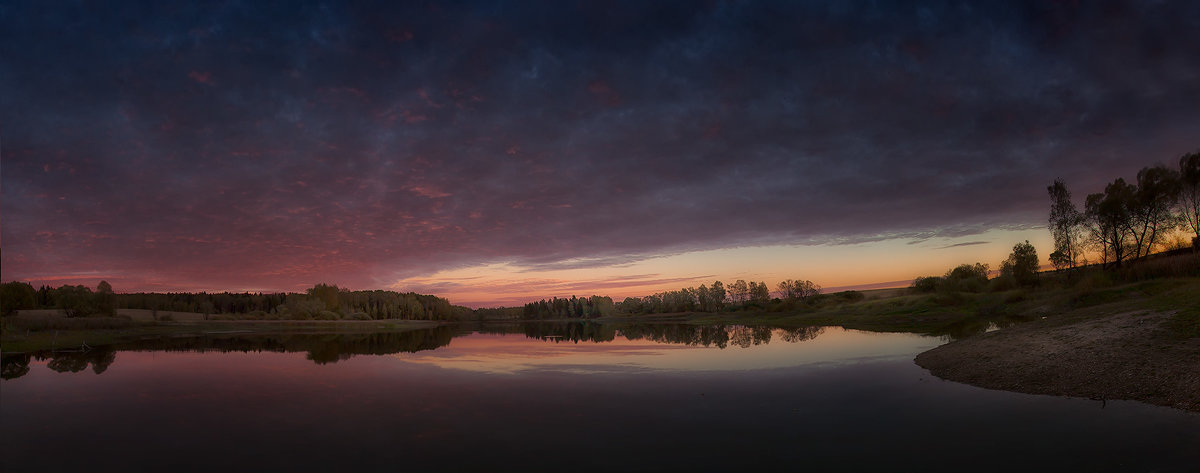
[334, 347]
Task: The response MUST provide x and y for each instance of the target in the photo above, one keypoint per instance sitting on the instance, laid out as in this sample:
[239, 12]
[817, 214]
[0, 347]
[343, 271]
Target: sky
[500, 152]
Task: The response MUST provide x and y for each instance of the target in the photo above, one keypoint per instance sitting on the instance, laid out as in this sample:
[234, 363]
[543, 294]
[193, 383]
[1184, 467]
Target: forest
[320, 302]
[740, 295]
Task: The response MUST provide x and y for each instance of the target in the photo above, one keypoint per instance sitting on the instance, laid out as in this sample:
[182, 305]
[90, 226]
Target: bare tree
[1150, 208]
[1106, 216]
[1189, 193]
[1066, 225]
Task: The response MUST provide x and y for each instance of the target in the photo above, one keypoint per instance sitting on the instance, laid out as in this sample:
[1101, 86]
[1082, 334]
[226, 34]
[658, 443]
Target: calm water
[556, 398]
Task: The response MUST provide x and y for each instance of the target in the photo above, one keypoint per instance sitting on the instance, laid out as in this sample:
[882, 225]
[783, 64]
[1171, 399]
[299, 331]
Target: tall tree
[717, 294]
[759, 292]
[1150, 209]
[1189, 193]
[327, 294]
[105, 299]
[1065, 226]
[739, 291]
[1107, 218]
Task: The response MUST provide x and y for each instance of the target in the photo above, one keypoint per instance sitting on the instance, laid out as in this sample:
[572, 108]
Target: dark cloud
[260, 145]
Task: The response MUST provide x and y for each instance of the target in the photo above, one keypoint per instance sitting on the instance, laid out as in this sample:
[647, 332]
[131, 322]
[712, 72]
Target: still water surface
[556, 398]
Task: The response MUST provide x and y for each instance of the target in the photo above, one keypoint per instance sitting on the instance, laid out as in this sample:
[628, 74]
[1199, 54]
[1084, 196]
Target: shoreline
[1121, 355]
[41, 340]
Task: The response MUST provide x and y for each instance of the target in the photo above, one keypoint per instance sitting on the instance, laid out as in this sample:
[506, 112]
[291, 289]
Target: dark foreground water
[667, 398]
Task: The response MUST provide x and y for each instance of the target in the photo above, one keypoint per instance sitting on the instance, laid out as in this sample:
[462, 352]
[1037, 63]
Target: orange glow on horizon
[832, 266]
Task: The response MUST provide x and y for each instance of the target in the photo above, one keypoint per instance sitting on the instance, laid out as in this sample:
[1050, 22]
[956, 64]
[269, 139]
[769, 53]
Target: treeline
[1127, 220]
[1020, 269]
[321, 302]
[573, 308]
[718, 335]
[74, 300]
[741, 295]
[716, 298]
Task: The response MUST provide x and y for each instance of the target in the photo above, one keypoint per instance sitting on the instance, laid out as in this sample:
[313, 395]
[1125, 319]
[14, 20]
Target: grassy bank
[1138, 341]
[27, 333]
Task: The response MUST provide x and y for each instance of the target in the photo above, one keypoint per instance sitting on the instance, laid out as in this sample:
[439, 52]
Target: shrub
[849, 296]
[1002, 283]
[1186, 264]
[327, 315]
[966, 278]
[358, 316]
[1094, 280]
[1014, 297]
[991, 310]
[925, 284]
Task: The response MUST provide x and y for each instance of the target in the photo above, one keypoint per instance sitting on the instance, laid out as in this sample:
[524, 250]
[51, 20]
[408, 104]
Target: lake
[555, 397]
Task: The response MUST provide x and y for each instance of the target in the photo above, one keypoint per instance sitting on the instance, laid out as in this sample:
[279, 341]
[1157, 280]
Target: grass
[28, 334]
[963, 314]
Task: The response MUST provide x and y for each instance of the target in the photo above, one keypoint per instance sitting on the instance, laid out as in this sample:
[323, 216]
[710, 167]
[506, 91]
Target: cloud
[392, 141]
[969, 243]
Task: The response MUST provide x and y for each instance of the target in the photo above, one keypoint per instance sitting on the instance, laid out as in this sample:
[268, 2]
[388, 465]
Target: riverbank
[1139, 342]
[110, 330]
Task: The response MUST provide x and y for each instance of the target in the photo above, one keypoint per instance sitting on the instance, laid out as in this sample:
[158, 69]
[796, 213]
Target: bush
[948, 298]
[991, 310]
[1094, 280]
[327, 315]
[849, 296]
[358, 316]
[256, 315]
[1002, 283]
[966, 278]
[297, 316]
[1186, 264]
[925, 284]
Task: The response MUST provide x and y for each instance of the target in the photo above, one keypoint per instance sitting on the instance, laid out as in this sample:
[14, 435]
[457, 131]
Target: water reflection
[646, 397]
[331, 348]
[972, 326]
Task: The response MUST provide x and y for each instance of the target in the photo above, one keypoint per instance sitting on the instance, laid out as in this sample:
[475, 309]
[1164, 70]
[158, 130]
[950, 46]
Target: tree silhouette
[105, 299]
[1189, 193]
[1022, 265]
[75, 301]
[1150, 208]
[1107, 217]
[1065, 226]
[15, 296]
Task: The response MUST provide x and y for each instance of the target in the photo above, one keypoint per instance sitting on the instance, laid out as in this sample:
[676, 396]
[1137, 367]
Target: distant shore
[109, 330]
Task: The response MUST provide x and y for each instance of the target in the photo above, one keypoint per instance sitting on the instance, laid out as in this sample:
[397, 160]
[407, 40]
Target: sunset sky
[498, 152]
